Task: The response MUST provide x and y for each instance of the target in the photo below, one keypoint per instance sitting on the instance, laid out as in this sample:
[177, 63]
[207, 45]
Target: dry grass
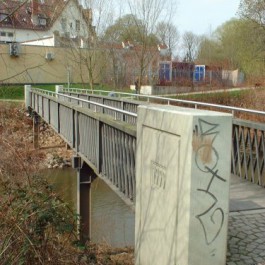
[248, 99]
[37, 227]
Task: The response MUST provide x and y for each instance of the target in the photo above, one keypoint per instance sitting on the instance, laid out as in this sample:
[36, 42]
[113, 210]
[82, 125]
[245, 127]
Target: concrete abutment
[182, 186]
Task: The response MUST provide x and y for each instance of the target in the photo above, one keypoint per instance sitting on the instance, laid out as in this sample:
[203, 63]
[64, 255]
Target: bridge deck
[245, 196]
[246, 232]
[108, 137]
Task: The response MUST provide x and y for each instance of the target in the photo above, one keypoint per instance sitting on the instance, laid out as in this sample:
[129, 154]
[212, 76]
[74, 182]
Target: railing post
[58, 89]
[27, 95]
[76, 131]
[49, 111]
[73, 128]
[122, 115]
[58, 113]
[99, 146]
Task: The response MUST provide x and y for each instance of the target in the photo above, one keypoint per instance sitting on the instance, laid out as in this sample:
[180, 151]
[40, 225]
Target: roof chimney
[35, 6]
[34, 10]
[88, 15]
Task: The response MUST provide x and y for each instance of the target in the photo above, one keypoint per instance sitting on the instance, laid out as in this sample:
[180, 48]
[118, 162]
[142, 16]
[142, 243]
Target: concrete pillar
[182, 186]
[27, 95]
[85, 176]
[36, 127]
[58, 89]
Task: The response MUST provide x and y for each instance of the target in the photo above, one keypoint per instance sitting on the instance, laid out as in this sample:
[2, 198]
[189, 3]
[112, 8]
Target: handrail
[169, 100]
[54, 94]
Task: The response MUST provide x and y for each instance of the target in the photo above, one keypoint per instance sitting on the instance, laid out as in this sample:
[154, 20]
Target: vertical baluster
[250, 157]
[257, 165]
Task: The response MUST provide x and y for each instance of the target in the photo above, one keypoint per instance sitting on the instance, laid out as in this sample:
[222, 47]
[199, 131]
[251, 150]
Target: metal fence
[248, 152]
[104, 143]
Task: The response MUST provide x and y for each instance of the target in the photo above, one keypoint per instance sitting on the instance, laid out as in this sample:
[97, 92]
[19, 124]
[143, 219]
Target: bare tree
[104, 14]
[190, 44]
[147, 14]
[253, 10]
[168, 34]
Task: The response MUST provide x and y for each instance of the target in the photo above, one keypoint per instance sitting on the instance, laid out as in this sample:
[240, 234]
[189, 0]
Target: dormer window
[77, 25]
[4, 18]
[43, 21]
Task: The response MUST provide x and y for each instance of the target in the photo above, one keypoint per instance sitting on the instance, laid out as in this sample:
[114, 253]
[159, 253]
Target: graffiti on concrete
[206, 160]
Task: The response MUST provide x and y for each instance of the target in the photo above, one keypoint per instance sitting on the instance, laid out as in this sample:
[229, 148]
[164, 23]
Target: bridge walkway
[246, 229]
[246, 235]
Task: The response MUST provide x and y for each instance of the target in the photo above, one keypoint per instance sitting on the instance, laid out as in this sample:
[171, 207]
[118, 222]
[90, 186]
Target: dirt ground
[16, 143]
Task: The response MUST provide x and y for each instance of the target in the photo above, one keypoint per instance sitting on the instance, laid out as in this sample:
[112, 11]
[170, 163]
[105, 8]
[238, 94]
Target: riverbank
[19, 164]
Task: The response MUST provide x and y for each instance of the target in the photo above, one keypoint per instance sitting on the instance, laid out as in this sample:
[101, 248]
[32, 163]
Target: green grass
[16, 92]
[12, 92]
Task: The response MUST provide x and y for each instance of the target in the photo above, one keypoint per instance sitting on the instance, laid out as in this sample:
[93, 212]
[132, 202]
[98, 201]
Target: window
[64, 24]
[3, 34]
[10, 34]
[3, 16]
[77, 25]
[71, 25]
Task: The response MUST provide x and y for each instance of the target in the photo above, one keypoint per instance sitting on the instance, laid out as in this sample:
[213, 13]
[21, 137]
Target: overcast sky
[198, 16]
[204, 16]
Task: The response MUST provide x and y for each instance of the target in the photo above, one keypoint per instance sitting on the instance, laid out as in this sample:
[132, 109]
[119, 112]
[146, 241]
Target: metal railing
[165, 100]
[115, 111]
[105, 144]
[248, 146]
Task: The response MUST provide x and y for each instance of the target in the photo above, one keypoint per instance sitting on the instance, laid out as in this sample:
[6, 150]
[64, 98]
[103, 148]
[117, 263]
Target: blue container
[199, 73]
[164, 72]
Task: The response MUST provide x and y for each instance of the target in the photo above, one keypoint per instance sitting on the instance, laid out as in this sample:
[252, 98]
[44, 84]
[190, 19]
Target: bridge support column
[85, 177]
[182, 186]
[36, 127]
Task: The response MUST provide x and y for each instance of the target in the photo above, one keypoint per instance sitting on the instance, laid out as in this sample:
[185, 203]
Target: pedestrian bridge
[102, 131]
[98, 127]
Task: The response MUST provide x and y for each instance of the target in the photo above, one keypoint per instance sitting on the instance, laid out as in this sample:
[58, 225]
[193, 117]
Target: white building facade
[41, 19]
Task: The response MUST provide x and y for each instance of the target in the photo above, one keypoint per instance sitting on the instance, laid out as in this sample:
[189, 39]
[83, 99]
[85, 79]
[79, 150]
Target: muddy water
[112, 219]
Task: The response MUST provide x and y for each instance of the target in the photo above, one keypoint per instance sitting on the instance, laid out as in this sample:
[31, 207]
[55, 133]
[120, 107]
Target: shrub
[36, 226]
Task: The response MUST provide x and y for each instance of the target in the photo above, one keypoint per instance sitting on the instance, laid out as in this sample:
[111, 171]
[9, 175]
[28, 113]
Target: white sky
[198, 16]
[204, 16]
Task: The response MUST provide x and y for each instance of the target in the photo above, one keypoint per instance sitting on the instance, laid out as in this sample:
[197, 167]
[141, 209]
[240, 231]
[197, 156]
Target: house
[57, 40]
[128, 61]
[39, 19]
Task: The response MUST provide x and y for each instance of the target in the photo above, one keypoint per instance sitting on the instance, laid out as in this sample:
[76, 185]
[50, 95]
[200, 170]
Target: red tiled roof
[22, 17]
[127, 45]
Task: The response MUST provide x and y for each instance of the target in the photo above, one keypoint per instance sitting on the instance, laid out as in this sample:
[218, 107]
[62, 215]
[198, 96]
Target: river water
[112, 219]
